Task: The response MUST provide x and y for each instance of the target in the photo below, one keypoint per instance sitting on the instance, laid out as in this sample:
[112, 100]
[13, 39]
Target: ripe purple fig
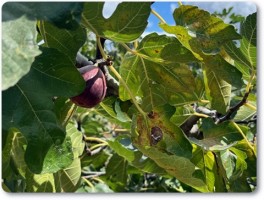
[95, 88]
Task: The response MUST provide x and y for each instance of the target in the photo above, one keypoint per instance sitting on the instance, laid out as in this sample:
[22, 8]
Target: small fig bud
[95, 88]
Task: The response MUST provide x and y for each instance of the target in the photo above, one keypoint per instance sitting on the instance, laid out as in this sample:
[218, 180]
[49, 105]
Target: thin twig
[94, 139]
[96, 151]
[88, 182]
[93, 174]
[98, 145]
[98, 180]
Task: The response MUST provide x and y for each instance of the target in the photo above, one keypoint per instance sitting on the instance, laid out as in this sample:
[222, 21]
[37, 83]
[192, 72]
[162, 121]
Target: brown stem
[233, 109]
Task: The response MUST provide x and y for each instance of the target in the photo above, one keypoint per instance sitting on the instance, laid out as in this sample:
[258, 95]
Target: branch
[233, 109]
[82, 61]
[188, 125]
[93, 174]
[93, 152]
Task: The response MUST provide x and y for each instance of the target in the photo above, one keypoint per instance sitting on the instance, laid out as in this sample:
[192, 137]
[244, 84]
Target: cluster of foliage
[183, 118]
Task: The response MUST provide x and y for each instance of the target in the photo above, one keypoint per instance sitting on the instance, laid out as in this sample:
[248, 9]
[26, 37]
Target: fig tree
[95, 89]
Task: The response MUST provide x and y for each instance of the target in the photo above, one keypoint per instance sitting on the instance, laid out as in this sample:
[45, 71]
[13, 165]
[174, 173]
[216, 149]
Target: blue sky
[165, 9]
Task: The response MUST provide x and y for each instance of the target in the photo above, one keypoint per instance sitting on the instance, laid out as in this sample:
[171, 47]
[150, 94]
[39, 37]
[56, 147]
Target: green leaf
[19, 49]
[63, 15]
[63, 108]
[158, 79]
[76, 139]
[219, 77]
[14, 152]
[181, 168]
[66, 41]
[218, 137]
[32, 110]
[174, 140]
[245, 55]
[96, 161]
[183, 36]
[165, 49]
[245, 113]
[70, 176]
[240, 164]
[116, 173]
[221, 182]
[249, 39]
[123, 147]
[210, 31]
[5, 188]
[251, 159]
[242, 63]
[234, 161]
[218, 90]
[98, 188]
[40, 183]
[121, 115]
[240, 185]
[228, 160]
[126, 24]
[181, 115]
[172, 152]
[58, 157]
[121, 150]
[206, 162]
[108, 110]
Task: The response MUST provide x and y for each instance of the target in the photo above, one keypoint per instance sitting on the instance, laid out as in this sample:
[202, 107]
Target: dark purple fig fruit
[95, 88]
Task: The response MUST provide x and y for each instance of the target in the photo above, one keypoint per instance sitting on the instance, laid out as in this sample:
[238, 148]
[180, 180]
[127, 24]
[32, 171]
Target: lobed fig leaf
[95, 89]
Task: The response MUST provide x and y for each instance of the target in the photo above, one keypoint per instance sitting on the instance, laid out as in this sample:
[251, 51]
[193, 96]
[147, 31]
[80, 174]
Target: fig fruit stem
[158, 16]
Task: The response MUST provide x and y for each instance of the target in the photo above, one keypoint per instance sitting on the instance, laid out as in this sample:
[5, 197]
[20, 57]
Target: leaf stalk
[158, 16]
